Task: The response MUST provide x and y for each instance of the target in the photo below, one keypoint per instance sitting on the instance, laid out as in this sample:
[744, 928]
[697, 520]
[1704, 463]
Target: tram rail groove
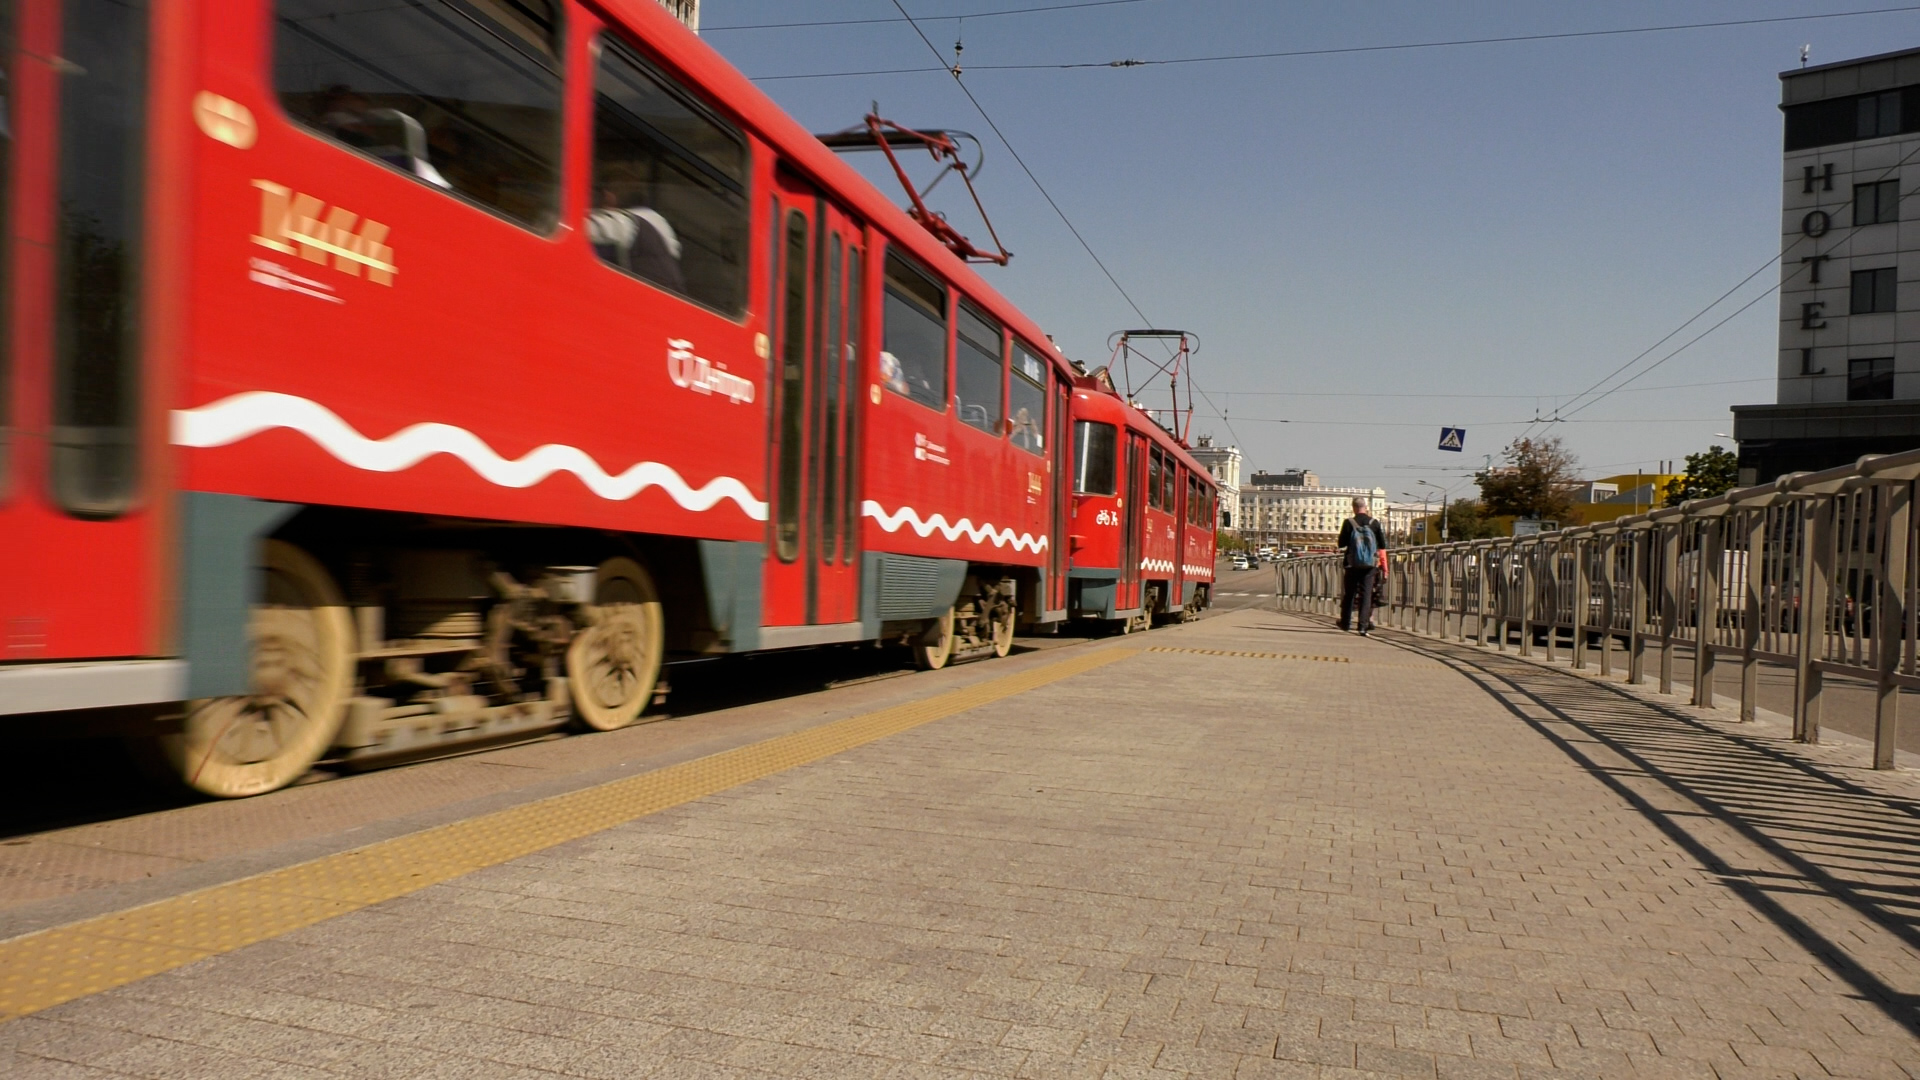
[61, 963]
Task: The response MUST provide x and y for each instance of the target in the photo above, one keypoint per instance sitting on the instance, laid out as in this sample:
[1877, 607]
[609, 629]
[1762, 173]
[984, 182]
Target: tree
[1536, 482]
[1468, 520]
[1712, 473]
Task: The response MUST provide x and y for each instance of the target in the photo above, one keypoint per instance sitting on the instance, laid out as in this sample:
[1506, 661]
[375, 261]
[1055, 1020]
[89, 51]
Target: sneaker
[1364, 633]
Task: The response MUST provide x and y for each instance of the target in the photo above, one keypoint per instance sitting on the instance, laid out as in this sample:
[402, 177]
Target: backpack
[1365, 552]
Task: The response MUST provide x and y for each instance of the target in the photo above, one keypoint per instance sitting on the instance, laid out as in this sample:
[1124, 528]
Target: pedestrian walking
[1364, 541]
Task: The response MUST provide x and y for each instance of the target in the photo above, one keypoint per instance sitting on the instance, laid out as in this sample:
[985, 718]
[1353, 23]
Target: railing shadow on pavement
[1832, 838]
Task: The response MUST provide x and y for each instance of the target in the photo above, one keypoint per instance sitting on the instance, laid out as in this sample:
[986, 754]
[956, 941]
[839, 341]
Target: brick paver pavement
[1421, 861]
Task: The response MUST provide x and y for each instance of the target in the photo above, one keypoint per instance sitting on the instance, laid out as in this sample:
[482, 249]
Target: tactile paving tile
[1254, 655]
[41, 970]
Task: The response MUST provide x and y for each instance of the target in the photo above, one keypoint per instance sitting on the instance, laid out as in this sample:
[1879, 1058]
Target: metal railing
[1815, 573]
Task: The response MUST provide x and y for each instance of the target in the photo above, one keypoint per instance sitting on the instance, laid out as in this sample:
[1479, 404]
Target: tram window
[1166, 486]
[669, 184]
[977, 373]
[829, 363]
[1093, 455]
[913, 356]
[1027, 400]
[463, 95]
[1153, 481]
[793, 357]
[102, 124]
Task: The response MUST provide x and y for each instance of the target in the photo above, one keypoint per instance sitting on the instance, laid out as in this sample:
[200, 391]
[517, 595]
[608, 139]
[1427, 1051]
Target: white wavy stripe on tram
[907, 515]
[247, 414]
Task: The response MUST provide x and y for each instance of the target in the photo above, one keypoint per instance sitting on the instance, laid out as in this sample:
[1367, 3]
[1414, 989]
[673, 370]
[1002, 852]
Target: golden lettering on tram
[292, 224]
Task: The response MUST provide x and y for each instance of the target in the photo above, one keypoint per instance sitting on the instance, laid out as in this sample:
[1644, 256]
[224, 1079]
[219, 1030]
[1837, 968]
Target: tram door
[1182, 485]
[1062, 496]
[812, 566]
[1133, 533]
[80, 448]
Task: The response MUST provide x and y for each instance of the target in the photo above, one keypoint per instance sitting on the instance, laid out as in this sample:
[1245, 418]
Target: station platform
[1246, 847]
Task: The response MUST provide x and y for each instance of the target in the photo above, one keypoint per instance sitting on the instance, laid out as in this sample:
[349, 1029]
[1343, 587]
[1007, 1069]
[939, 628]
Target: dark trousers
[1359, 590]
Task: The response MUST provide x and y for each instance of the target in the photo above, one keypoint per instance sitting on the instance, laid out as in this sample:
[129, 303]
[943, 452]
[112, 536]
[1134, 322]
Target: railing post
[1551, 616]
[1706, 608]
[1481, 564]
[1608, 548]
[1669, 601]
[1755, 574]
[1582, 599]
[1503, 598]
[1426, 593]
[1525, 558]
[1638, 568]
[1890, 617]
[1816, 528]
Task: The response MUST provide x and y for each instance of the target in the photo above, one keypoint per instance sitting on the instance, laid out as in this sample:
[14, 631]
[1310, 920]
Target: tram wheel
[935, 647]
[302, 648]
[1003, 632]
[614, 662]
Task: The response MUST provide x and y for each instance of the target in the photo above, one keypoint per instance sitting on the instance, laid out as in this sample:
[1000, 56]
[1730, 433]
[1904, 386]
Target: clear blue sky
[1372, 244]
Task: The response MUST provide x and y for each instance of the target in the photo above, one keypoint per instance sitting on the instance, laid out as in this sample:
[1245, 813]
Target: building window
[1870, 379]
[1877, 115]
[1873, 291]
[1845, 119]
[1877, 202]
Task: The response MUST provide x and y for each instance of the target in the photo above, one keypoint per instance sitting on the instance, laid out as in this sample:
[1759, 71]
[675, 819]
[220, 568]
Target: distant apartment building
[1849, 359]
[1402, 521]
[687, 11]
[1291, 509]
[1224, 463]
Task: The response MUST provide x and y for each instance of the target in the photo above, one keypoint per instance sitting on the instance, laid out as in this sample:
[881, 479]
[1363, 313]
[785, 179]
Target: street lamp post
[1425, 502]
[1443, 507]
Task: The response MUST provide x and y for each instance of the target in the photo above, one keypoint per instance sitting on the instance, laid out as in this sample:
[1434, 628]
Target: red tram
[1142, 535]
[379, 377]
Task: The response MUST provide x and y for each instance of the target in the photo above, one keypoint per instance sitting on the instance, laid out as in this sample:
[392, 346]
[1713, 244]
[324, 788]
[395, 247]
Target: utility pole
[1426, 501]
[1443, 507]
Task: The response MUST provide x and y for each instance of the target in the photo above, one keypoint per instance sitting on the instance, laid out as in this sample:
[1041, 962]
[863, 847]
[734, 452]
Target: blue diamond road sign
[1453, 438]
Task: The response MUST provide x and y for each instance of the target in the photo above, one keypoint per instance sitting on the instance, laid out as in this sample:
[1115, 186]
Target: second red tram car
[384, 376]
[1144, 512]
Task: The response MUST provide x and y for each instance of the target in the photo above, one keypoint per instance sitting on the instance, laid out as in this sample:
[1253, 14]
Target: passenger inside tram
[391, 135]
[636, 238]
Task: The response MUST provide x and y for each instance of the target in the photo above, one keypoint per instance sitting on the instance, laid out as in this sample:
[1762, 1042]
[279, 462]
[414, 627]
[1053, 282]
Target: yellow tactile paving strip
[1253, 655]
[41, 970]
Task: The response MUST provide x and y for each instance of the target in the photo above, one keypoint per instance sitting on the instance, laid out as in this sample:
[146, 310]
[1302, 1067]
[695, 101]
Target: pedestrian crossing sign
[1453, 438]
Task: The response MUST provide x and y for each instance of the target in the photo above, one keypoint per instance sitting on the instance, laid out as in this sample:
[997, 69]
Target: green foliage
[1228, 542]
[1536, 481]
[1468, 520]
[1714, 472]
